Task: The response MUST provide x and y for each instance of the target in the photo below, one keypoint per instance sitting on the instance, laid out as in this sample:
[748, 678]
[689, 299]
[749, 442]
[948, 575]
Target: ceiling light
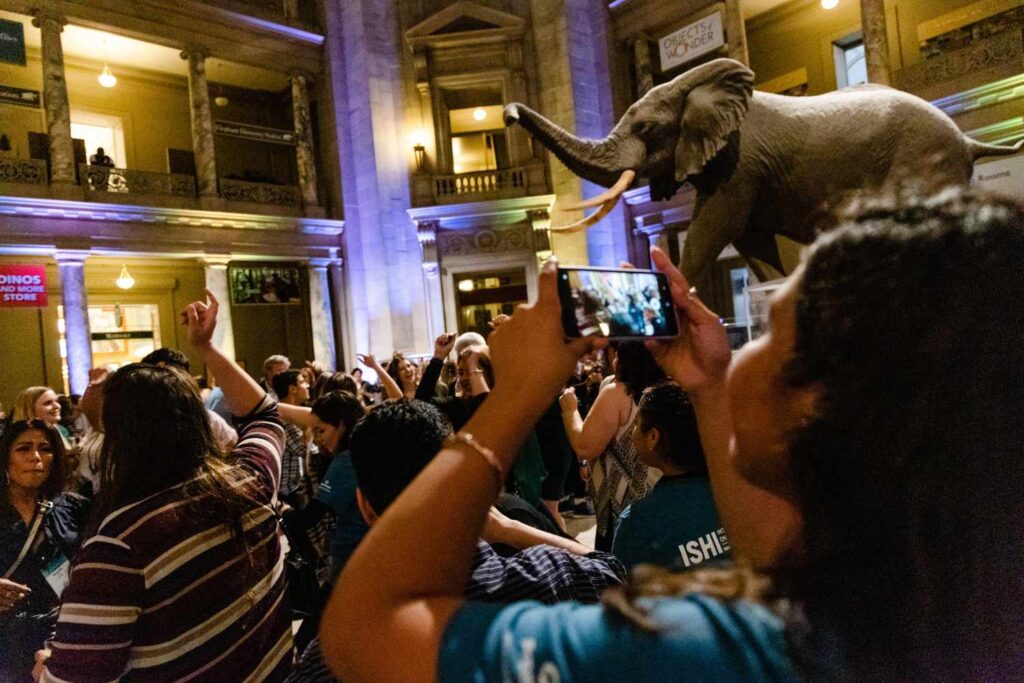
[466, 285]
[829, 4]
[220, 101]
[125, 279]
[479, 113]
[106, 78]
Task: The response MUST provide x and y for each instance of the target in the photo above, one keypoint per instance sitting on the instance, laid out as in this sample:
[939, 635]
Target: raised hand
[369, 360]
[498, 320]
[200, 320]
[443, 345]
[568, 401]
[699, 357]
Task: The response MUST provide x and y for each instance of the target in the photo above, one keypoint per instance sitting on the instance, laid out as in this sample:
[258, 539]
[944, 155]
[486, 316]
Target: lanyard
[44, 507]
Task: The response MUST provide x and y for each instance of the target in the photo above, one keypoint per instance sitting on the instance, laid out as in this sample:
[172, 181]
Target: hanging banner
[246, 131]
[1004, 176]
[22, 286]
[12, 42]
[19, 96]
[692, 41]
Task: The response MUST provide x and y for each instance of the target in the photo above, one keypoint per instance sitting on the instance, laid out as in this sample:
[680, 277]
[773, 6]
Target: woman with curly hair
[866, 455]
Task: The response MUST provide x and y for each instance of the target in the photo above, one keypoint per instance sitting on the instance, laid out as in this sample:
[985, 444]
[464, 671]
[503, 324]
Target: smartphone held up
[616, 303]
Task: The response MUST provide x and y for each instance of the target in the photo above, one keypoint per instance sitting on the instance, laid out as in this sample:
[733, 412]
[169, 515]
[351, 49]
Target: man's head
[390, 447]
[99, 151]
[275, 364]
[291, 387]
[466, 340]
[167, 356]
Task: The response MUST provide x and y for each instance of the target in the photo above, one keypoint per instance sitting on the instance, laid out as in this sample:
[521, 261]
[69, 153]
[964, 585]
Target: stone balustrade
[510, 182]
[127, 181]
[259, 193]
[22, 171]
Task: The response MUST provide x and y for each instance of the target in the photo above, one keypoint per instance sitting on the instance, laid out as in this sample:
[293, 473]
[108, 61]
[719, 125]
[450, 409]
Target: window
[478, 139]
[851, 67]
[100, 130]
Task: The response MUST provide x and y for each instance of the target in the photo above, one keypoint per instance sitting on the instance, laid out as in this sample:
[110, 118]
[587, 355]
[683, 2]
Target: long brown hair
[25, 404]
[157, 435]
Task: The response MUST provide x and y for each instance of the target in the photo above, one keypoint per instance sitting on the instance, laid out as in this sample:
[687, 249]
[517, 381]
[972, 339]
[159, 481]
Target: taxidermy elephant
[761, 163]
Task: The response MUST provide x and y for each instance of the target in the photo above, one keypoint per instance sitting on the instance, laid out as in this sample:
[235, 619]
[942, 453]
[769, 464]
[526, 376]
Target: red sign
[22, 286]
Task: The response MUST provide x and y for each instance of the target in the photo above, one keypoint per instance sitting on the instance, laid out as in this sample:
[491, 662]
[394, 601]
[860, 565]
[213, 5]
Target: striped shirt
[541, 573]
[162, 592]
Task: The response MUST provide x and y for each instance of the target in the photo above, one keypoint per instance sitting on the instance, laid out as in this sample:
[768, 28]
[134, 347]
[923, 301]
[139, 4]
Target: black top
[457, 410]
[61, 530]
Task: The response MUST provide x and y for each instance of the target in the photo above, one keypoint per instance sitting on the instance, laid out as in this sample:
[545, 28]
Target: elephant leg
[761, 253]
[718, 220]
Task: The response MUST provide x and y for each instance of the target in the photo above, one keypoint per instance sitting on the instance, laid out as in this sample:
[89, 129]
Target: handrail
[510, 180]
[128, 181]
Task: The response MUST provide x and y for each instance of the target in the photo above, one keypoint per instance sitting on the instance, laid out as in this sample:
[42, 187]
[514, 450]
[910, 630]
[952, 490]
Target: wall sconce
[421, 157]
[125, 280]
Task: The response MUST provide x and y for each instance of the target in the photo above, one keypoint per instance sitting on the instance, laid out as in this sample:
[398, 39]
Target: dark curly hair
[339, 408]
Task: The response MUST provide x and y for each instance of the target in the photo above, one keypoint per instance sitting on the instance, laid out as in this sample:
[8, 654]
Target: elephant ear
[717, 101]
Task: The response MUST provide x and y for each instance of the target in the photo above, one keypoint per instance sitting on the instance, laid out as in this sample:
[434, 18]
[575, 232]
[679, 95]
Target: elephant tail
[980, 149]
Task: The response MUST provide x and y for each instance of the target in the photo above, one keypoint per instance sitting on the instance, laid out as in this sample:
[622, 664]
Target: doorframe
[457, 265]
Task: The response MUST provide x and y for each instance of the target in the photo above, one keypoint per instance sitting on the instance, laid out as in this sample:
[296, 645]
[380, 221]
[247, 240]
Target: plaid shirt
[293, 462]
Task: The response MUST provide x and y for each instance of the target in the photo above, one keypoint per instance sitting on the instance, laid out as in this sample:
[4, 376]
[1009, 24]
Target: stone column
[291, 12]
[202, 122]
[876, 41]
[216, 268]
[642, 64]
[339, 301]
[55, 97]
[77, 338]
[426, 231]
[321, 314]
[735, 32]
[540, 222]
[304, 139]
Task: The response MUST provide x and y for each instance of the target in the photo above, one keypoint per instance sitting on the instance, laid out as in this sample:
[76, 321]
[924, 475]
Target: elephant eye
[642, 128]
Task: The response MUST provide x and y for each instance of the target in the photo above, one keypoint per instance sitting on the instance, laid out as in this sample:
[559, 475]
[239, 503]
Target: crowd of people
[841, 499]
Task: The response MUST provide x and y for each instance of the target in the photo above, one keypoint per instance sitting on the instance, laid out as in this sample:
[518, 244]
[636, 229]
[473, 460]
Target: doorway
[100, 130]
[121, 334]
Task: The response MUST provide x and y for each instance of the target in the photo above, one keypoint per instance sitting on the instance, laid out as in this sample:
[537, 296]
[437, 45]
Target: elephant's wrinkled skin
[762, 163]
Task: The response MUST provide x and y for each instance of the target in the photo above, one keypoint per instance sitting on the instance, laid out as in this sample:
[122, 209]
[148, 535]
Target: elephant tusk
[586, 222]
[614, 192]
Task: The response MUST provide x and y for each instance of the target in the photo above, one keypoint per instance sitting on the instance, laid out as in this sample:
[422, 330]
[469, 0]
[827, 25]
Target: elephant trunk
[599, 161]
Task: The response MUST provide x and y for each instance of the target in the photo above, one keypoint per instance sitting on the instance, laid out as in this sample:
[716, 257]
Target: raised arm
[589, 437]
[406, 579]
[390, 386]
[758, 523]
[442, 347]
[241, 391]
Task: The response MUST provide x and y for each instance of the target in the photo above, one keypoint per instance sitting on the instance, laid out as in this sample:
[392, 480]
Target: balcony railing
[23, 171]
[510, 182]
[125, 181]
[259, 193]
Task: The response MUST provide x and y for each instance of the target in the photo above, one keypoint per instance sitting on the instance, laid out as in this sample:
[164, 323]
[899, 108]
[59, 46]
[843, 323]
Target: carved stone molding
[962, 69]
[485, 241]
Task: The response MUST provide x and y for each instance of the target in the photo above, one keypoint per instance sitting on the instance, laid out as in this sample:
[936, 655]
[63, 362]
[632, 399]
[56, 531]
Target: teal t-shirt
[338, 492]
[705, 640]
[675, 525]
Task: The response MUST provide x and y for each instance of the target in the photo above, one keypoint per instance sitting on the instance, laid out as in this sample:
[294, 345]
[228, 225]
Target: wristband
[486, 453]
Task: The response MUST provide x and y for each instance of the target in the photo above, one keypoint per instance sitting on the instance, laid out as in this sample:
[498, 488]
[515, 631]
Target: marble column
[876, 41]
[735, 32]
[291, 12]
[642, 64]
[346, 355]
[55, 96]
[304, 139]
[216, 268]
[78, 340]
[202, 121]
[426, 231]
[321, 314]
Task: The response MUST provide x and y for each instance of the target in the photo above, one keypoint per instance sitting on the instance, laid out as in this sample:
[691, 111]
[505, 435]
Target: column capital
[71, 257]
[215, 261]
[48, 14]
[304, 74]
[324, 263]
[197, 51]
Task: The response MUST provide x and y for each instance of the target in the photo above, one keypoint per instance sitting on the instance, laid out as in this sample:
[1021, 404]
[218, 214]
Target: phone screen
[616, 303]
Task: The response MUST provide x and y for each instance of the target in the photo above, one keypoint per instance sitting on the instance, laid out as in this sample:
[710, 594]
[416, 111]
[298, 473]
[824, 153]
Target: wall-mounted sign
[12, 42]
[19, 96]
[246, 131]
[133, 334]
[1005, 177]
[690, 42]
[265, 285]
[22, 286]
